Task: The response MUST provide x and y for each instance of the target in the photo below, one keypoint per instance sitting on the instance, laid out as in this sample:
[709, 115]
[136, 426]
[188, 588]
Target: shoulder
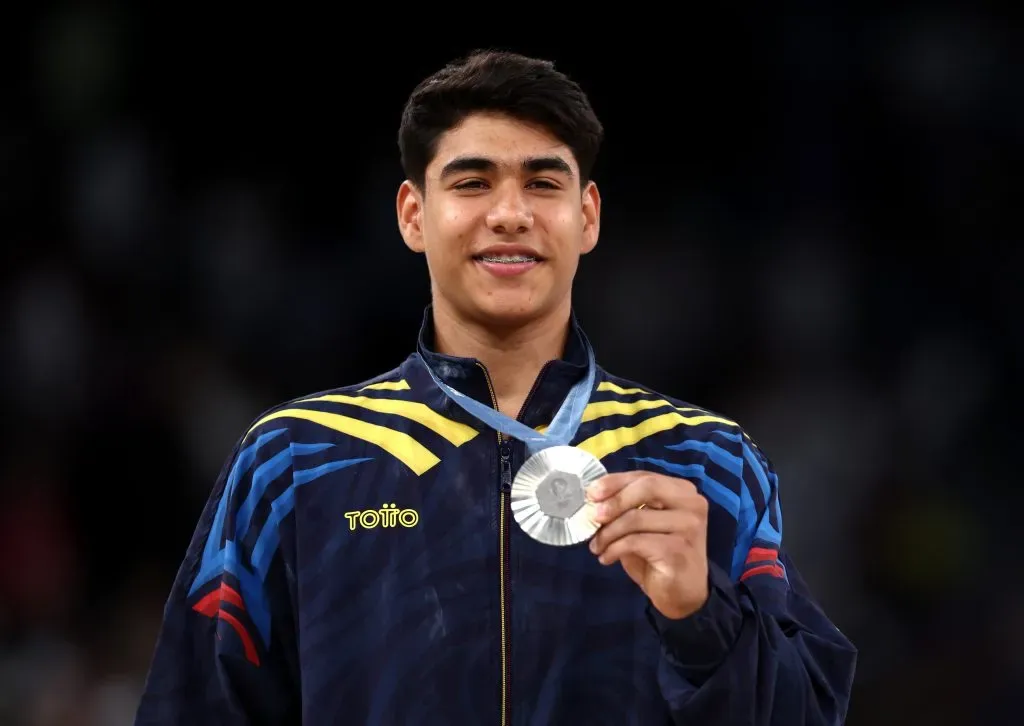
[702, 423]
[298, 414]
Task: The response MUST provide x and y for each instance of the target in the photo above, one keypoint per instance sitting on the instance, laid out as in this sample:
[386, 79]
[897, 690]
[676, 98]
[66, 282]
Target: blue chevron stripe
[263, 477]
[728, 435]
[715, 491]
[728, 461]
[755, 466]
[266, 544]
[773, 479]
[265, 473]
[765, 530]
[223, 556]
[304, 449]
[243, 461]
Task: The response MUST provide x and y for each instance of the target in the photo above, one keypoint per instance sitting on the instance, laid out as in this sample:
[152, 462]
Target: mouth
[516, 259]
[507, 264]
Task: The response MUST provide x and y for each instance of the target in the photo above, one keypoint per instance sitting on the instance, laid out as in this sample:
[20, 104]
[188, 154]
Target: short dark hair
[527, 89]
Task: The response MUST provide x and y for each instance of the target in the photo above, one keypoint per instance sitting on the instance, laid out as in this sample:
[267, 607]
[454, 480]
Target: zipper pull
[506, 468]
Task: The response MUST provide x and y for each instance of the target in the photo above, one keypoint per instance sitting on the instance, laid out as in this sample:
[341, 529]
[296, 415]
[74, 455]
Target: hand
[656, 526]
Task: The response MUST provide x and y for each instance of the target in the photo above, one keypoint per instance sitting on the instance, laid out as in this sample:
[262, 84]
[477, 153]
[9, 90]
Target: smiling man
[497, 531]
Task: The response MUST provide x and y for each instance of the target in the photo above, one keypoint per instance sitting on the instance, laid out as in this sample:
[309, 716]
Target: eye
[542, 184]
[470, 184]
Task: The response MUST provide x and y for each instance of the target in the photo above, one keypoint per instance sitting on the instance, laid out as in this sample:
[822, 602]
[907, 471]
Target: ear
[591, 200]
[409, 206]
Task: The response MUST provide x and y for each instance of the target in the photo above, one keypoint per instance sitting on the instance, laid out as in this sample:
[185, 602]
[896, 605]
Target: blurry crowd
[825, 246]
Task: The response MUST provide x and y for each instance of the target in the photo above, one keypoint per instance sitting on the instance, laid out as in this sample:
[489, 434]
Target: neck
[513, 357]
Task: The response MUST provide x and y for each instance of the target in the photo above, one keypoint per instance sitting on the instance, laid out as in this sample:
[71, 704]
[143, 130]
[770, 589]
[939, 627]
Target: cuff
[699, 642]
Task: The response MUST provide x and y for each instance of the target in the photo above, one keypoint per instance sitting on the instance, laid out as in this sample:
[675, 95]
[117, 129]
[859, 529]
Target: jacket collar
[467, 375]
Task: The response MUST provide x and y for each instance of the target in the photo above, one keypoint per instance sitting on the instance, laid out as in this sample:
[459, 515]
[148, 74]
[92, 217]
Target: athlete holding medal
[498, 530]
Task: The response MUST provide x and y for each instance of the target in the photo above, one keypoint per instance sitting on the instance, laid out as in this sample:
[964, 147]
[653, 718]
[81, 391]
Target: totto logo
[388, 515]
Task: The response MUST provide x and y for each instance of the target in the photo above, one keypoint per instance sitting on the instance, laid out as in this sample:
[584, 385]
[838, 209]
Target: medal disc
[549, 498]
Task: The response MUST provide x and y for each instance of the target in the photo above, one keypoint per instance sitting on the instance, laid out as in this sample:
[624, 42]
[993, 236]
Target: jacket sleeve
[223, 652]
[760, 652]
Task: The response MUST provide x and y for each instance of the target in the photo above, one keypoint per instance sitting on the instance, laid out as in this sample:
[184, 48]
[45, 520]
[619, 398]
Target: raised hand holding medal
[654, 525]
[549, 494]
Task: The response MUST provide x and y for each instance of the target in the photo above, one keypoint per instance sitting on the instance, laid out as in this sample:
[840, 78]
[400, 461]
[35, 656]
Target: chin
[509, 312]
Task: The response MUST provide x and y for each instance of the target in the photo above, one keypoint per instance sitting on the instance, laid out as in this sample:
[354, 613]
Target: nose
[510, 213]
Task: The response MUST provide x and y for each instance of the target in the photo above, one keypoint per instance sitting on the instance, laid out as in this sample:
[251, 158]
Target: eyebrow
[531, 164]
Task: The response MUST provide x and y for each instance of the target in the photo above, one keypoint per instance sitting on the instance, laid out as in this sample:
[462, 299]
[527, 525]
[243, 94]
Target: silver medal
[549, 497]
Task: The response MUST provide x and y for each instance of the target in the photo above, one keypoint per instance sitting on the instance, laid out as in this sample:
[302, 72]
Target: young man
[384, 554]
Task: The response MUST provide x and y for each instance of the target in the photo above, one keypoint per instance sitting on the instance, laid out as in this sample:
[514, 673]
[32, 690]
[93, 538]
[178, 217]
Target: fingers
[611, 484]
[649, 546]
[634, 521]
[617, 493]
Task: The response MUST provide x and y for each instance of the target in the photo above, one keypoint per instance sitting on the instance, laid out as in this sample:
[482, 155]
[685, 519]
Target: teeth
[508, 259]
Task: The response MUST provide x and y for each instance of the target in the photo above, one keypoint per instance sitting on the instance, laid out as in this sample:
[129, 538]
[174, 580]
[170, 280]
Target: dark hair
[527, 89]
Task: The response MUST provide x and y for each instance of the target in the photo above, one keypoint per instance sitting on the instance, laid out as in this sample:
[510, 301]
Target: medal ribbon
[563, 426]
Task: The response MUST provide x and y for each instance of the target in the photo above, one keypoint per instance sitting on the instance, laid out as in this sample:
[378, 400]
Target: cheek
[567, 227]
[449, 233]
[453, 217]
[566, 220]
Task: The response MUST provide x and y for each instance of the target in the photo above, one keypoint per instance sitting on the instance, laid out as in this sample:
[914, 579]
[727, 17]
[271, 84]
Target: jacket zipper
[505, 484]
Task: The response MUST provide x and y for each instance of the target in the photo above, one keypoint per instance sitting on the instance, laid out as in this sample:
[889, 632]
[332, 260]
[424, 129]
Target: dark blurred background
[811, 225]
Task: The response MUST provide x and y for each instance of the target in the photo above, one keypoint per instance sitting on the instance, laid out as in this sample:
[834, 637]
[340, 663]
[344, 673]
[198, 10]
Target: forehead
[505, 140]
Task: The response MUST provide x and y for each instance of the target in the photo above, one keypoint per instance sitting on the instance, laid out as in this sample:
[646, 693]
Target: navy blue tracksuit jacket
[357, 563]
